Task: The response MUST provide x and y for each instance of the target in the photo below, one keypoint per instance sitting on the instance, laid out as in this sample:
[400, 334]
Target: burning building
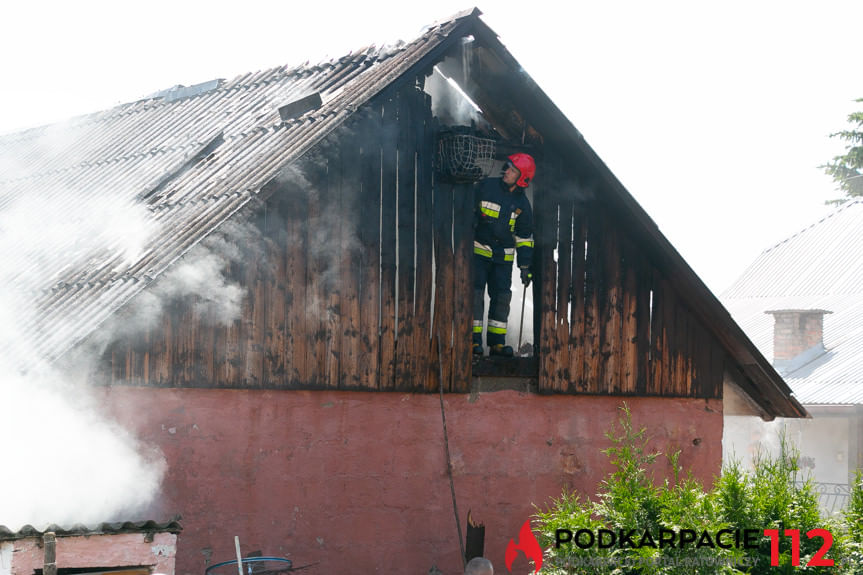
[283, 313]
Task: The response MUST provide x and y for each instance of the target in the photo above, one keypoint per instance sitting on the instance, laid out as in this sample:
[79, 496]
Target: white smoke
[66, 460]
[449, 102]
[202, 273]
[329, 237]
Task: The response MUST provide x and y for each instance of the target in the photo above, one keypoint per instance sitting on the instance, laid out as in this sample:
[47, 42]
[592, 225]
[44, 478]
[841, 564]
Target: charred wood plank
[388, 245]
[351, 258]
[592, 302]
[717, 368]
[444, 278]
[425, 158]
[369, 239]
[611, 318]
[406, 226]
[330, 237]
[255, 308]
[463, 310]
[545, 236]
[318, 272]
[628, 374]
[680, 351]
[669, 349]
[576, 334]
[161, 356]
[564, 291]
[235, 348]
[275, 346]
[295, 210]
[643, 320]
[658, 353]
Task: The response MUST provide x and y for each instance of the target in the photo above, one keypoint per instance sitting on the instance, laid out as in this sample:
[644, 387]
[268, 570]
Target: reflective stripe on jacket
[503, 223]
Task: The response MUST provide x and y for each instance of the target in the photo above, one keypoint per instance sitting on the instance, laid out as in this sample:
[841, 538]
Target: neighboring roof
[173, 526]
[147, 154]
[821, 267]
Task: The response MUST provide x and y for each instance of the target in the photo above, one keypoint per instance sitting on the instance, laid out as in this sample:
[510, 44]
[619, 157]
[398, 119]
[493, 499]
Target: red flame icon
[528, 544]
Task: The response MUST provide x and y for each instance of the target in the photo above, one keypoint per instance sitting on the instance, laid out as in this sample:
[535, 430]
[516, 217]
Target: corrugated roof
[144, 150]
[821, 267]
[173, 526]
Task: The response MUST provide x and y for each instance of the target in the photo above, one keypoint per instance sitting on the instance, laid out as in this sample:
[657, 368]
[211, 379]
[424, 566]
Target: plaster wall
[120, 550]
[6, 550]
[823, 443]
[356, 482]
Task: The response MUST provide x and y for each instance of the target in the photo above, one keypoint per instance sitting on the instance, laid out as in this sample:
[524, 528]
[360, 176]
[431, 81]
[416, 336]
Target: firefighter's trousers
[498, 278]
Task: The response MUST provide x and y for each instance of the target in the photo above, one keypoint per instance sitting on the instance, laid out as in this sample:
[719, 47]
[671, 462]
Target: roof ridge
[843, 206]
[271, 74]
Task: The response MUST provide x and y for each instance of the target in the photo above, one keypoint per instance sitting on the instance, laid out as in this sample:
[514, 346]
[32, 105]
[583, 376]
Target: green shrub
[852, 542]
[772, 496]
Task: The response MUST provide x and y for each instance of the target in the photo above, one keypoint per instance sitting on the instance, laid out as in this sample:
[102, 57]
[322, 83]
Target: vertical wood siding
[357, 275]
[610, 322]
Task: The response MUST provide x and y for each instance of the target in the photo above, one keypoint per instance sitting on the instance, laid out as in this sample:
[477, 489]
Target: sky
[714, 115]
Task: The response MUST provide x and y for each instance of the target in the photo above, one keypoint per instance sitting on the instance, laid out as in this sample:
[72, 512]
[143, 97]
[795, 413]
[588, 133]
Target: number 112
[817, 560]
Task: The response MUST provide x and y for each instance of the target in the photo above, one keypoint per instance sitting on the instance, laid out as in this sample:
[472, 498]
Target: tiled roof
[139, 164]
[173, 526]
[820, 267]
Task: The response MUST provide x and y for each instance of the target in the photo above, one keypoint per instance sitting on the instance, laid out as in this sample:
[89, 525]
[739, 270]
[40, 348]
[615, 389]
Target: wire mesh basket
[464, 157]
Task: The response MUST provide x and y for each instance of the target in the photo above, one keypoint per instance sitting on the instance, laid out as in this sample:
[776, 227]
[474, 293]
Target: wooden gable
[339, 293]
[360, 274]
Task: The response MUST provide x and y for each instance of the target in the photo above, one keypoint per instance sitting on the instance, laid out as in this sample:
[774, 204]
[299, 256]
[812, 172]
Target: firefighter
[503, 221]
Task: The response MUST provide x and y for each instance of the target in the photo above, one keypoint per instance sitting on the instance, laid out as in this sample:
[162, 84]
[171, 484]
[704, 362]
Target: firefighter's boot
[501, 350]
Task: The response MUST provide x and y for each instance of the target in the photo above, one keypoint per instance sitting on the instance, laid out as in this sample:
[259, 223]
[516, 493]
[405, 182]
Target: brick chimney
[795, 332]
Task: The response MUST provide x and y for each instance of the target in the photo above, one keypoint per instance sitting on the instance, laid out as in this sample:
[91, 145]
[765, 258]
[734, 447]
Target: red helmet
[524, 164]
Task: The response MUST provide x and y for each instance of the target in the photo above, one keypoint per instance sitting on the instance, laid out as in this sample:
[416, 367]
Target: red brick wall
[356, 482]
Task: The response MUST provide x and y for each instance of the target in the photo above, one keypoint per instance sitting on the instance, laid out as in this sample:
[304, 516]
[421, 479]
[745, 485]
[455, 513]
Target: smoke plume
[66, 460]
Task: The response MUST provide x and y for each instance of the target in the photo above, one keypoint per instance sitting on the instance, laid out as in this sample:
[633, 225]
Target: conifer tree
[847, 169]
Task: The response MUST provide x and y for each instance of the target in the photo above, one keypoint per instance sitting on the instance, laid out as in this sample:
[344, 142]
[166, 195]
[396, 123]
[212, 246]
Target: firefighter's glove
[526, 276]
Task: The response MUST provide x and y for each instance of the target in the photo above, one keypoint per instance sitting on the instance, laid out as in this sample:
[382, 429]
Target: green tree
[847, 169]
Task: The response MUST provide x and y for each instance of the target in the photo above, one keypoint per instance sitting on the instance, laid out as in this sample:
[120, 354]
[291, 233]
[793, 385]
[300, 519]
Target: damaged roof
[820, 267]
[145, 159]
[191, 158]
[172, 526]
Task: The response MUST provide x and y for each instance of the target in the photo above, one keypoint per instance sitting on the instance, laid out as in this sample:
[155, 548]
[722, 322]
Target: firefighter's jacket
[503, 222]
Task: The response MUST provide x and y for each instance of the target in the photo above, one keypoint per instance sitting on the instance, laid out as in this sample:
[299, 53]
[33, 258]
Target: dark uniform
[504, 229]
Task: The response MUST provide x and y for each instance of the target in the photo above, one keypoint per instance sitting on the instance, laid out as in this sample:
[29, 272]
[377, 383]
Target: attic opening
[479, 127]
